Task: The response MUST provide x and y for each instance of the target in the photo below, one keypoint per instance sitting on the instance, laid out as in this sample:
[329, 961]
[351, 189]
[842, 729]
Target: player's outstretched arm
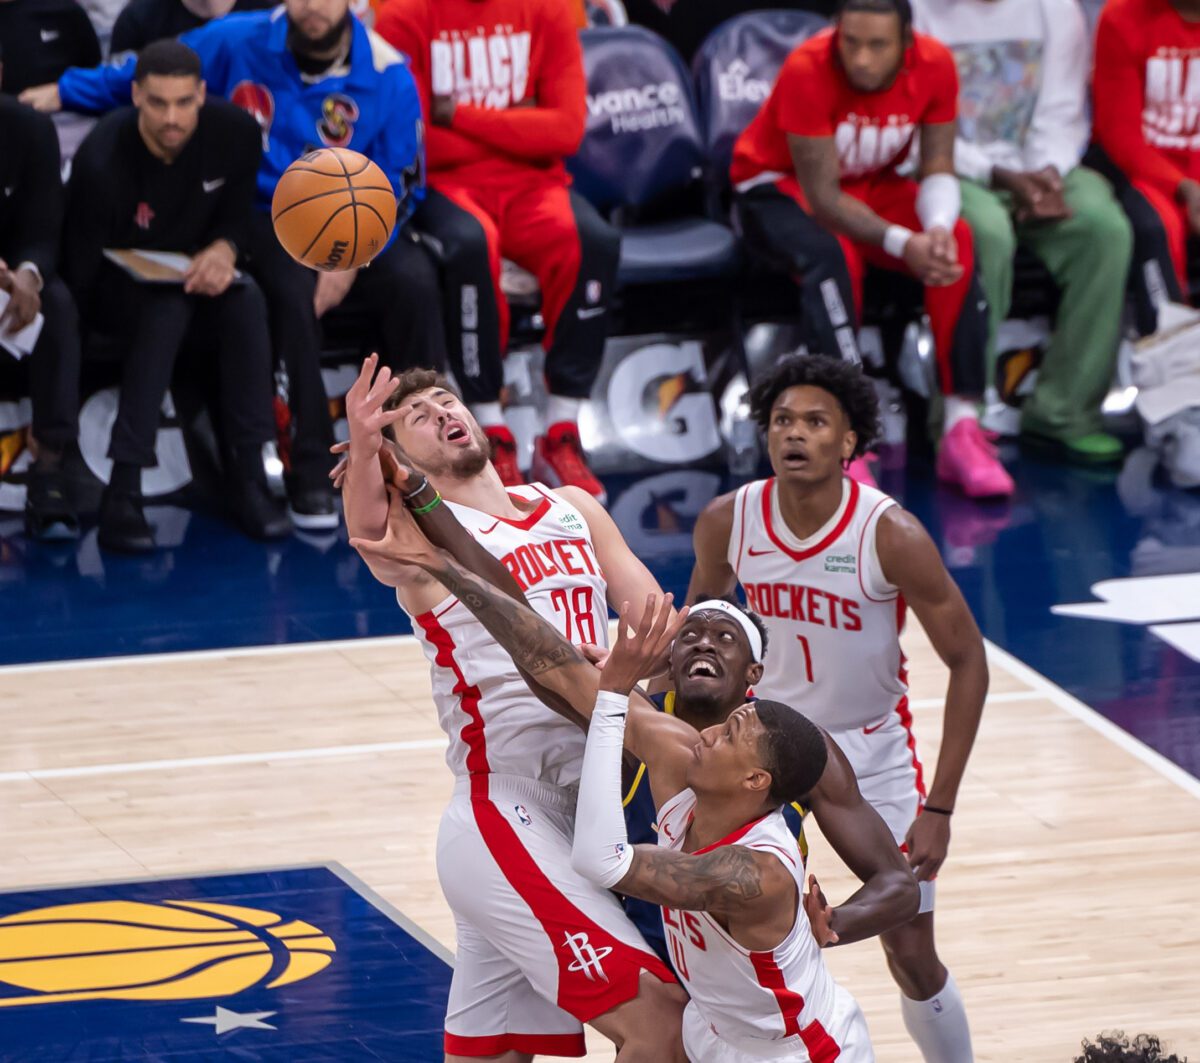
[712, 575]
[911, 561]
[889, 895]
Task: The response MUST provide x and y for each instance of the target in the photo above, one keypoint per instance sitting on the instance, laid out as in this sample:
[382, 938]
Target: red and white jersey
[494, 723]
[744, 996]
[834, 620]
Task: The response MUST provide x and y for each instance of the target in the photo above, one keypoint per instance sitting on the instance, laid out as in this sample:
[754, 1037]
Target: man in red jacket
[1146, 119]
[504, 85]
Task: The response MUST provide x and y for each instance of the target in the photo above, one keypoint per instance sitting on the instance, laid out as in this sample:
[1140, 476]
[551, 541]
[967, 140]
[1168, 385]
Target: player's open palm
[364, 409]
[640, 650]
[927, 842]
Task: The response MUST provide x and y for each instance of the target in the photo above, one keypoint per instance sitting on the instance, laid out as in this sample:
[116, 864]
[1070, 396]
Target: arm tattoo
[531, 642]
[726, 879]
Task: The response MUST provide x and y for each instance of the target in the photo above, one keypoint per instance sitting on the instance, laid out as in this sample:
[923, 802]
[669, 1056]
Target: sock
[488, 414]
[938, 1025]
[560, 408]
[126, 479]
[957, 409]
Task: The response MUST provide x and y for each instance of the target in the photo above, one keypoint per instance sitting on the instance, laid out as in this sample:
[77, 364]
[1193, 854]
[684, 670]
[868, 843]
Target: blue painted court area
[284, 966]
[1066, 531]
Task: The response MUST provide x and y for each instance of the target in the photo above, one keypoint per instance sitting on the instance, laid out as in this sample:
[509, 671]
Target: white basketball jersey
[495, 724]
[834, 620]
[745, 996]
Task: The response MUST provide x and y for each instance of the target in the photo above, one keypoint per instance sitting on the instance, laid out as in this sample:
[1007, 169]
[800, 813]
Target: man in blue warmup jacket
[312, 76]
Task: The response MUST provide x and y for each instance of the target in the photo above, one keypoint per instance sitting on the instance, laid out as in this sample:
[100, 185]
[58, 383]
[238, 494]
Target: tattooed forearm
[727, 878]
[532, 643]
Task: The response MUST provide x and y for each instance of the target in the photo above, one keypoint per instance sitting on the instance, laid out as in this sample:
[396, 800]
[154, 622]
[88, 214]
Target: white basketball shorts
[541, 950]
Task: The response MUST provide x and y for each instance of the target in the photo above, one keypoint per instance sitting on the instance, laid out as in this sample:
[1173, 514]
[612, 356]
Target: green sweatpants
[1088, 255]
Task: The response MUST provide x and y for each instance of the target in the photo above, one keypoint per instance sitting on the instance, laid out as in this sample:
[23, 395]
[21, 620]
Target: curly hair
[1117, 1048]
[844, 380]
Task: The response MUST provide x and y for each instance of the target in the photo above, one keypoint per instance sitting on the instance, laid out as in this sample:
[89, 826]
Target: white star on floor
[225, 1020]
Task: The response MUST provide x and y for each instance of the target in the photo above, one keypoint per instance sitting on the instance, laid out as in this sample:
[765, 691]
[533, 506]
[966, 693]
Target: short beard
[464, 465]
[298, 44]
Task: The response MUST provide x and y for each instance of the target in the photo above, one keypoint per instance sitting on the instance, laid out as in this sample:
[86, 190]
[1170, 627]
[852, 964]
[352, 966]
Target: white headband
[736, 614]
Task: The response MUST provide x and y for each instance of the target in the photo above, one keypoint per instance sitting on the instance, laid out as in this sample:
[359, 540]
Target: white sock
[560, 408]
[488, 414]
[939, 1025]
[957, 409]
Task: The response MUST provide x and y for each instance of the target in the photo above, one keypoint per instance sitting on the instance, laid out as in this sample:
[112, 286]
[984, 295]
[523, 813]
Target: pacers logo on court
[133, 950]
[587, 957]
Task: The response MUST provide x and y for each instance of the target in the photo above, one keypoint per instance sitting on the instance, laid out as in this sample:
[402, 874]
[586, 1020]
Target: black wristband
[413, 494]
[939, 811]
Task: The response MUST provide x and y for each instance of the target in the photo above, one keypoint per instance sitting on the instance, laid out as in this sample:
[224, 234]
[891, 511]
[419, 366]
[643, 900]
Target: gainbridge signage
[291, 964]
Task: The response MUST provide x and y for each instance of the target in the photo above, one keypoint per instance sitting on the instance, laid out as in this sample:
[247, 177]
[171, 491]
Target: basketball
[333, 209]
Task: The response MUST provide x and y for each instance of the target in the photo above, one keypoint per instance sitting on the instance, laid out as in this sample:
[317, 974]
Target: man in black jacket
[176, 174]
[31, 207]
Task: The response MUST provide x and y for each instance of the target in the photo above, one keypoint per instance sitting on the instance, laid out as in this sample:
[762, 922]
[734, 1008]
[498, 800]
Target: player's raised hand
[820, 914]
[639, 652]
[364, 409]
[927, 842]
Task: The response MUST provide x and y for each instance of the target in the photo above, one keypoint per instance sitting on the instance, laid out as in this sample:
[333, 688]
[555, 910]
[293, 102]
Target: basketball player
[751, 961]
[541, 950]
[716, 656]
[831, 566]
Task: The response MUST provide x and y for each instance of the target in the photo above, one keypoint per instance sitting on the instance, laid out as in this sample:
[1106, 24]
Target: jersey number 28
[578, 614]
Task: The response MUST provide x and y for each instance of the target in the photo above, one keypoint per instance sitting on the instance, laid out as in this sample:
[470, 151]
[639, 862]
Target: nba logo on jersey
[523, 816]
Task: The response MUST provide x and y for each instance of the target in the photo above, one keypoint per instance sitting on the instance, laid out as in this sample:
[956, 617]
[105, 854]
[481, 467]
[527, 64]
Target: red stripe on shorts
[821, 1047]
[534, 1044]
[596, 971]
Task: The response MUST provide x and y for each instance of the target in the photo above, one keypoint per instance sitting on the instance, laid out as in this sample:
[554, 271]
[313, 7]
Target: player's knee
[913, 959]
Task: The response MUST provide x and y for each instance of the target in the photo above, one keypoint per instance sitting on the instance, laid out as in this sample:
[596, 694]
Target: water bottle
[742, 450]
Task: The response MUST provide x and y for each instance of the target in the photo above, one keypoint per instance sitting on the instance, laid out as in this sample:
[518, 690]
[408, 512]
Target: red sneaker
[558, 460]
[504, 455]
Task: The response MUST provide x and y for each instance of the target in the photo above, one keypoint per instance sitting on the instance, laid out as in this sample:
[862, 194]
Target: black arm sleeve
[89, 206]
[242, 140]
[39, 215]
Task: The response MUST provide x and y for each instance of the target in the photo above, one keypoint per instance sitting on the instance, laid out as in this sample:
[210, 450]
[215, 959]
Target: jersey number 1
[807, 657]
[576, 607]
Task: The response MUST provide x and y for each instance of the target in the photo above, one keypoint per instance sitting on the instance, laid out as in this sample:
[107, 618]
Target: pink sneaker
[968, 460]
[859, 470]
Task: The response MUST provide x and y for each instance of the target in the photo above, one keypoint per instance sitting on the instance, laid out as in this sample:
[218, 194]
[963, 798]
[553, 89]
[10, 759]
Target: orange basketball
[333, 209]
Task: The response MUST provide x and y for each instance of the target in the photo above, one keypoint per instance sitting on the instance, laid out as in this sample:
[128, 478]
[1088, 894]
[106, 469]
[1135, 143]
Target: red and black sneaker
[504, 455]
[558, 461]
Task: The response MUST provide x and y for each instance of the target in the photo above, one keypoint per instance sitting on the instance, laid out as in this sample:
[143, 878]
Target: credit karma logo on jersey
[1161, 602]
[735, 85]
[134, 950]
[633, 110]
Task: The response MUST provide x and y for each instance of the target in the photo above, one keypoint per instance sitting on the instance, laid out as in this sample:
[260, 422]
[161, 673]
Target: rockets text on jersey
[486, 67]
[834, 620]
[749, 997]
[493, 721]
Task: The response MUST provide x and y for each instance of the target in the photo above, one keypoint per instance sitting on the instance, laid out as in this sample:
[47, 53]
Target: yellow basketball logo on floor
[132, 950]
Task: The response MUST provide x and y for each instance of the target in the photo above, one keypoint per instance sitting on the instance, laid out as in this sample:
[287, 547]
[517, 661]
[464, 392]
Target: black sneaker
[49, 515]
[313, 508]
[123, 525]
[258, 512]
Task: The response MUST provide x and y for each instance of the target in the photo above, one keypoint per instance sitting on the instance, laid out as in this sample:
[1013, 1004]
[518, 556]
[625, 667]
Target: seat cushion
[683, 249]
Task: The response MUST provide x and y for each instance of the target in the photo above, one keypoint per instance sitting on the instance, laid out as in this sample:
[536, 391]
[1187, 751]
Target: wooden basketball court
[1068, 904]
